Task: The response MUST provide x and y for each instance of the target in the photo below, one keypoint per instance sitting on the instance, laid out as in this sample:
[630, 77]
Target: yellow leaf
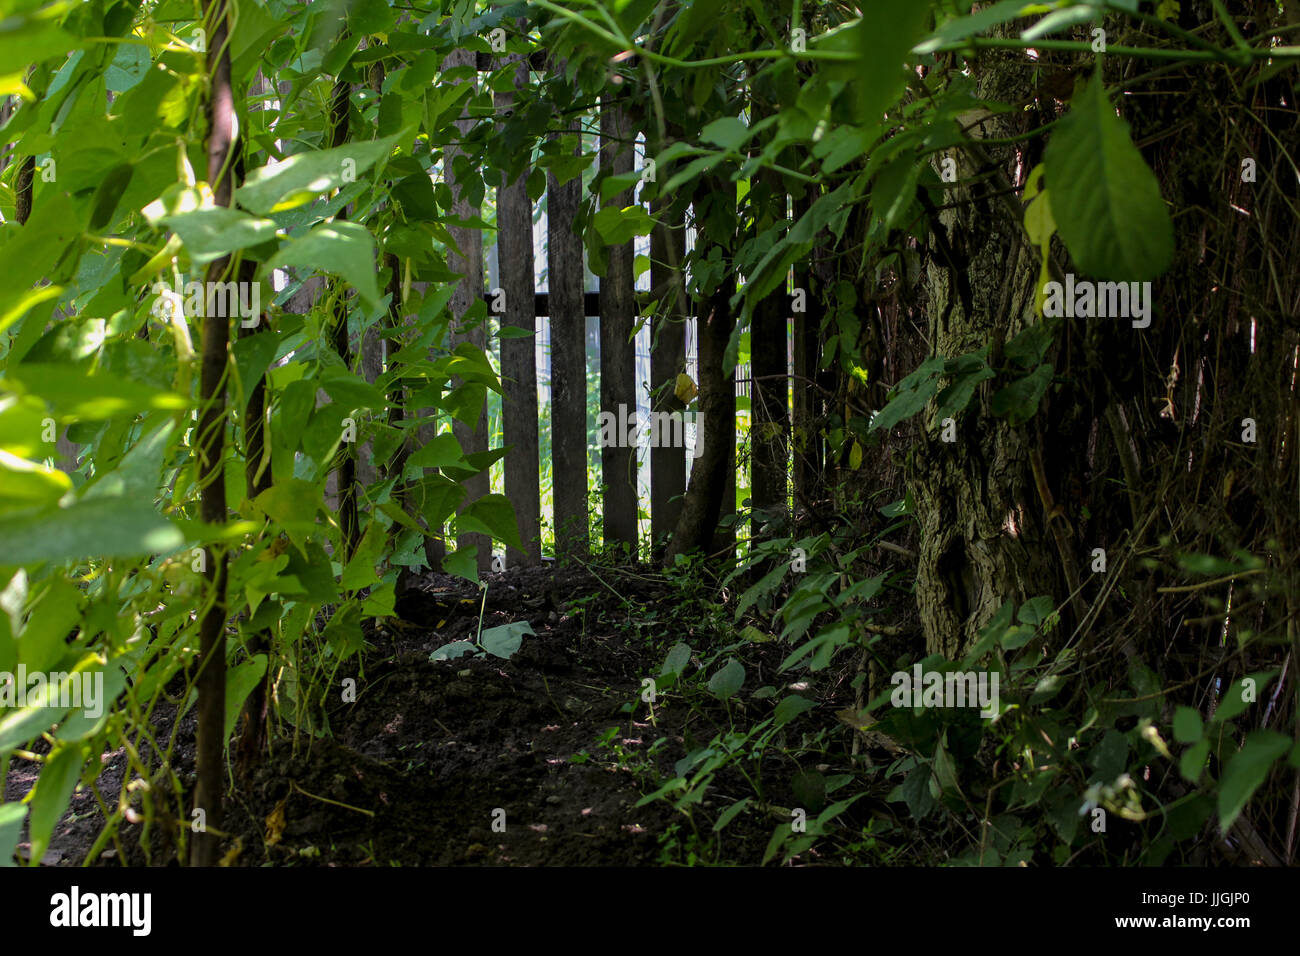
[686, 389]
[233, 854]
[275, 823]
[855, 455]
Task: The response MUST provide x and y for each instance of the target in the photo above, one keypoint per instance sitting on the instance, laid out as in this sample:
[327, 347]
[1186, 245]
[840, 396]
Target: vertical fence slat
[468, 291]
[667, 360]
[568, 317]
[519, 355]
[617, 350]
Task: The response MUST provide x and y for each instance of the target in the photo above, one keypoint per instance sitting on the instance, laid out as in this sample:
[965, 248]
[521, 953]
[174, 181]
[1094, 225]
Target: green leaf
[1035, 611]
[303, 176]
[1018, 402]
[1187, 725]
[1234, 699]
[791, 707]
[95, 528]
[1246, 771]
[12, 816]
[725, 817]
[240, 681]
[449, 652]
[343, 632]
[463, 562]
[84, 396]
[679, 656]
[1105, 199]
[885, 36]
[291, 503]
[25, 484]
[729, 132]
[491, 515]
[504, 640]
[345, 249]
[910, 395]
[960, 28]
[209, 234]
[442, 451]
[617, 226]
[894, 190]
[728, 681]
[1192, 764]
[58, 777]
[437, 498]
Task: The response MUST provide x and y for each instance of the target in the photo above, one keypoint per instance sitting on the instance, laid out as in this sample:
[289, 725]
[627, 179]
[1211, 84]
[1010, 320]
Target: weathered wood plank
[518, 355]
[617, 350]
[568, 309]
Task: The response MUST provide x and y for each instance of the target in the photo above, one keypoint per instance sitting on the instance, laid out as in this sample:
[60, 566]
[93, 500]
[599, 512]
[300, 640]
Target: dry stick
[211, 682]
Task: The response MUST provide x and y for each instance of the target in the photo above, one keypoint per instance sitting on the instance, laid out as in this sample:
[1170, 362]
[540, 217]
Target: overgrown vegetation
[251, 419]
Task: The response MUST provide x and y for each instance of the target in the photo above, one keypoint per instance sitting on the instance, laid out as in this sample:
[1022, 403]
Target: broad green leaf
[25, 484]
[303, 176]
[729, 814]
[94, 528]
[449, 652]
[1105, 199]
[1241, 695]
[959, 28]
[345, 249]
[1192, 763]
[616, 226]
[728, 681]
[885, 36]
[729, 132]
[85, 396]
[53, 789]
[679, 656]
[441, 451]
[291, 503]
[1187, 725]
[12, 816]
[791, 707]
[504, 640]
[1246, 771]
[1018, 402]
[910, 395]
[343, 632]
[463, 562]
[240, 681]
[437, 498]
[491, 515]
[211, 233]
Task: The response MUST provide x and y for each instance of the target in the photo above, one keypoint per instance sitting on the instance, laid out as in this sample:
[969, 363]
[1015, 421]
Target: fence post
[617, 350]
[468, 291]
[568, 362]
[519, 355]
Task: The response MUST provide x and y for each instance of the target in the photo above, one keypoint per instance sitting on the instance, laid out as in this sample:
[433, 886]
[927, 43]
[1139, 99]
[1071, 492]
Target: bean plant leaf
[1105, 199]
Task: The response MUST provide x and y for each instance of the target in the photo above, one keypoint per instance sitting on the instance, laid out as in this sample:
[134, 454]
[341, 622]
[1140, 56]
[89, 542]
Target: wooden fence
[559, 314]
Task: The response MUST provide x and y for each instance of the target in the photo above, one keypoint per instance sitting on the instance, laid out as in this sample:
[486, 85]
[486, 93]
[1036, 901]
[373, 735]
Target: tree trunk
[982, 533]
